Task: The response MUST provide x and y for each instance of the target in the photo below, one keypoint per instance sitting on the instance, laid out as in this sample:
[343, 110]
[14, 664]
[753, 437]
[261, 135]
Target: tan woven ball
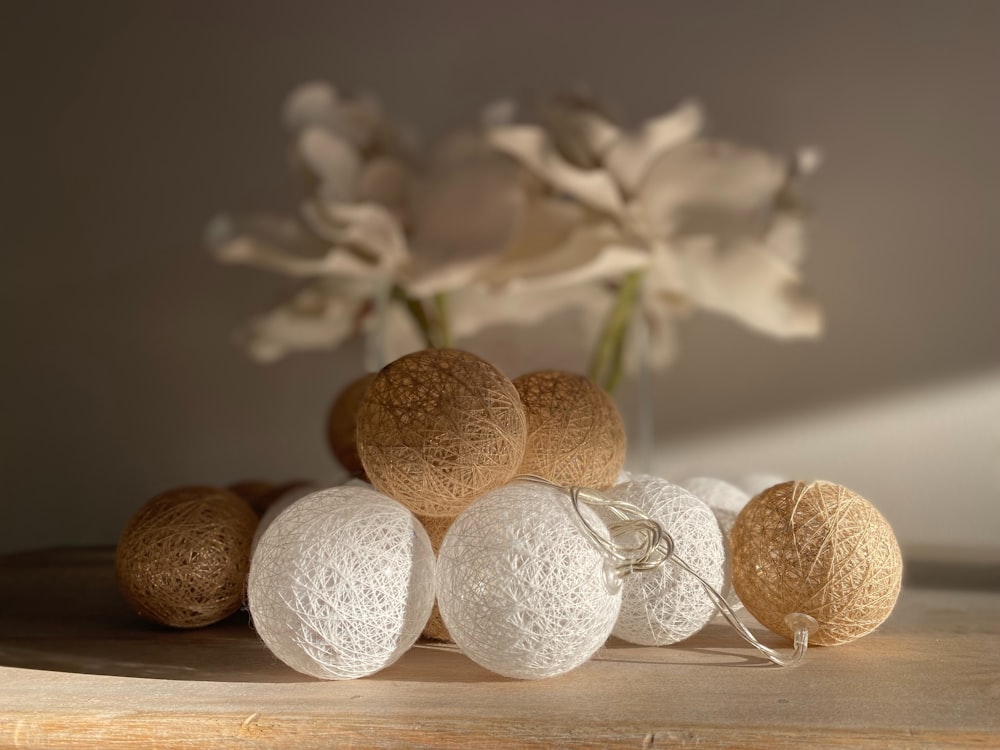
[183, 558]
[342, 421]
[576, 436]
[439, 427]
[820, 549]
[436, 528]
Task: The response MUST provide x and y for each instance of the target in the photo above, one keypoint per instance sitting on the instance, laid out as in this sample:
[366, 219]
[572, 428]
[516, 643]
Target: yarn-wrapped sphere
[183, 557]
[820, 549]
[342, 423]
[576, 437]
[341, 583]
[726, 501]
[522, 589]
[436, 528]
[438, 428]
[668, 604]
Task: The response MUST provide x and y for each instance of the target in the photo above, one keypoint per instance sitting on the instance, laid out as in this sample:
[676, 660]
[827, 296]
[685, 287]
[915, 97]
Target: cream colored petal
[590, 254]
[332, 160]
[529, 145]
[386, 181]
[315, 103]
[630, 157]
[707, 186]
[315, 318]
[750, 283]
[282, 233]
[477, 308]
[366, 228]
[283, 250]
[318, 105]
[466, 214]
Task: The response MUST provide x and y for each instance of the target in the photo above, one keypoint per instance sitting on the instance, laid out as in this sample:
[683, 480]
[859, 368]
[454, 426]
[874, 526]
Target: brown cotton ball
[341, 424]
[576, 437]
[820, 549]
[436, 528]
[256, 492]
[439, 427]
[183, 558]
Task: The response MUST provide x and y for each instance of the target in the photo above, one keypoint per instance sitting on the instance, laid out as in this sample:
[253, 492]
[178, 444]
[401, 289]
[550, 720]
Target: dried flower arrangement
[510, 223]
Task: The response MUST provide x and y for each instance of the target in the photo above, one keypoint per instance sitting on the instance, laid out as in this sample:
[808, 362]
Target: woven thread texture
[523, 591]
[668, 604]
[817, 548]
[576, 437]
[182, 559]
[439, 427]
[341, 583]
[726, 501]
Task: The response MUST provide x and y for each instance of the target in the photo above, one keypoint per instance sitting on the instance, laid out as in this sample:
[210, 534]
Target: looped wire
[637, 544]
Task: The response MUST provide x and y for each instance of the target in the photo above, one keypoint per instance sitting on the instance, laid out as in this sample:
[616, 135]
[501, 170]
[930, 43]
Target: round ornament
[182, 559]
[576, 437]
[257, 492]
[341, 583]
[522, 589]
[439, 427]
[668, 604]
[820, 549]
[342, 424]
[726, 501]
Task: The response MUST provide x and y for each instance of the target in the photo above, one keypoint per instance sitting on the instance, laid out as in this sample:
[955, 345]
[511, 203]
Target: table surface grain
[78, 669]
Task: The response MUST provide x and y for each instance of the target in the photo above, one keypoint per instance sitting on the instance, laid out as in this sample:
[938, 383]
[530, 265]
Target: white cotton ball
[276, 508]
[521, 588]
[341, 583]
[726, 501]
[667, 604]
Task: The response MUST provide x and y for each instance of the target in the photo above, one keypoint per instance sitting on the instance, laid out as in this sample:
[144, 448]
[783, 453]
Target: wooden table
[77, 669]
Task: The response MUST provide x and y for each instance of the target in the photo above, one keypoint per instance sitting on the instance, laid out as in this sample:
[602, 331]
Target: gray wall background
[127, 125]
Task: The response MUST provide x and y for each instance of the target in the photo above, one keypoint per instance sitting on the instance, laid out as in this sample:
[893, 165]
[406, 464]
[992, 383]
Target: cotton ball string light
[341, 583]
[522, 589]
[439, 427]
[576, 437]
[281, 500]
[725, 501]
[182, 558]
[820, 549]
[667, 604]
[342, 424]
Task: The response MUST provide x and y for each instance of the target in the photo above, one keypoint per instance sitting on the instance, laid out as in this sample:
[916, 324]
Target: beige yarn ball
[436, 528]
[820, 549]
[182, 559]
[576, 437]
[438, 428]
[342, 422]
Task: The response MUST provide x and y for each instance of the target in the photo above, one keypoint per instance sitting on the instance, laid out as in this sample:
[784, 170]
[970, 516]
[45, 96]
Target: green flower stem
[435, 328]
[419, 314]
[443, 322]
[608, 361]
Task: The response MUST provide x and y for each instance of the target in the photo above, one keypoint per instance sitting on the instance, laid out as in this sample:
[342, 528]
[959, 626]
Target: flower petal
[630, 158]
[709, 186]
[365, 228]
[590, 253]
[749, 282]
[317, 317]
[465, 216]
[332, 160]
[529, 145]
